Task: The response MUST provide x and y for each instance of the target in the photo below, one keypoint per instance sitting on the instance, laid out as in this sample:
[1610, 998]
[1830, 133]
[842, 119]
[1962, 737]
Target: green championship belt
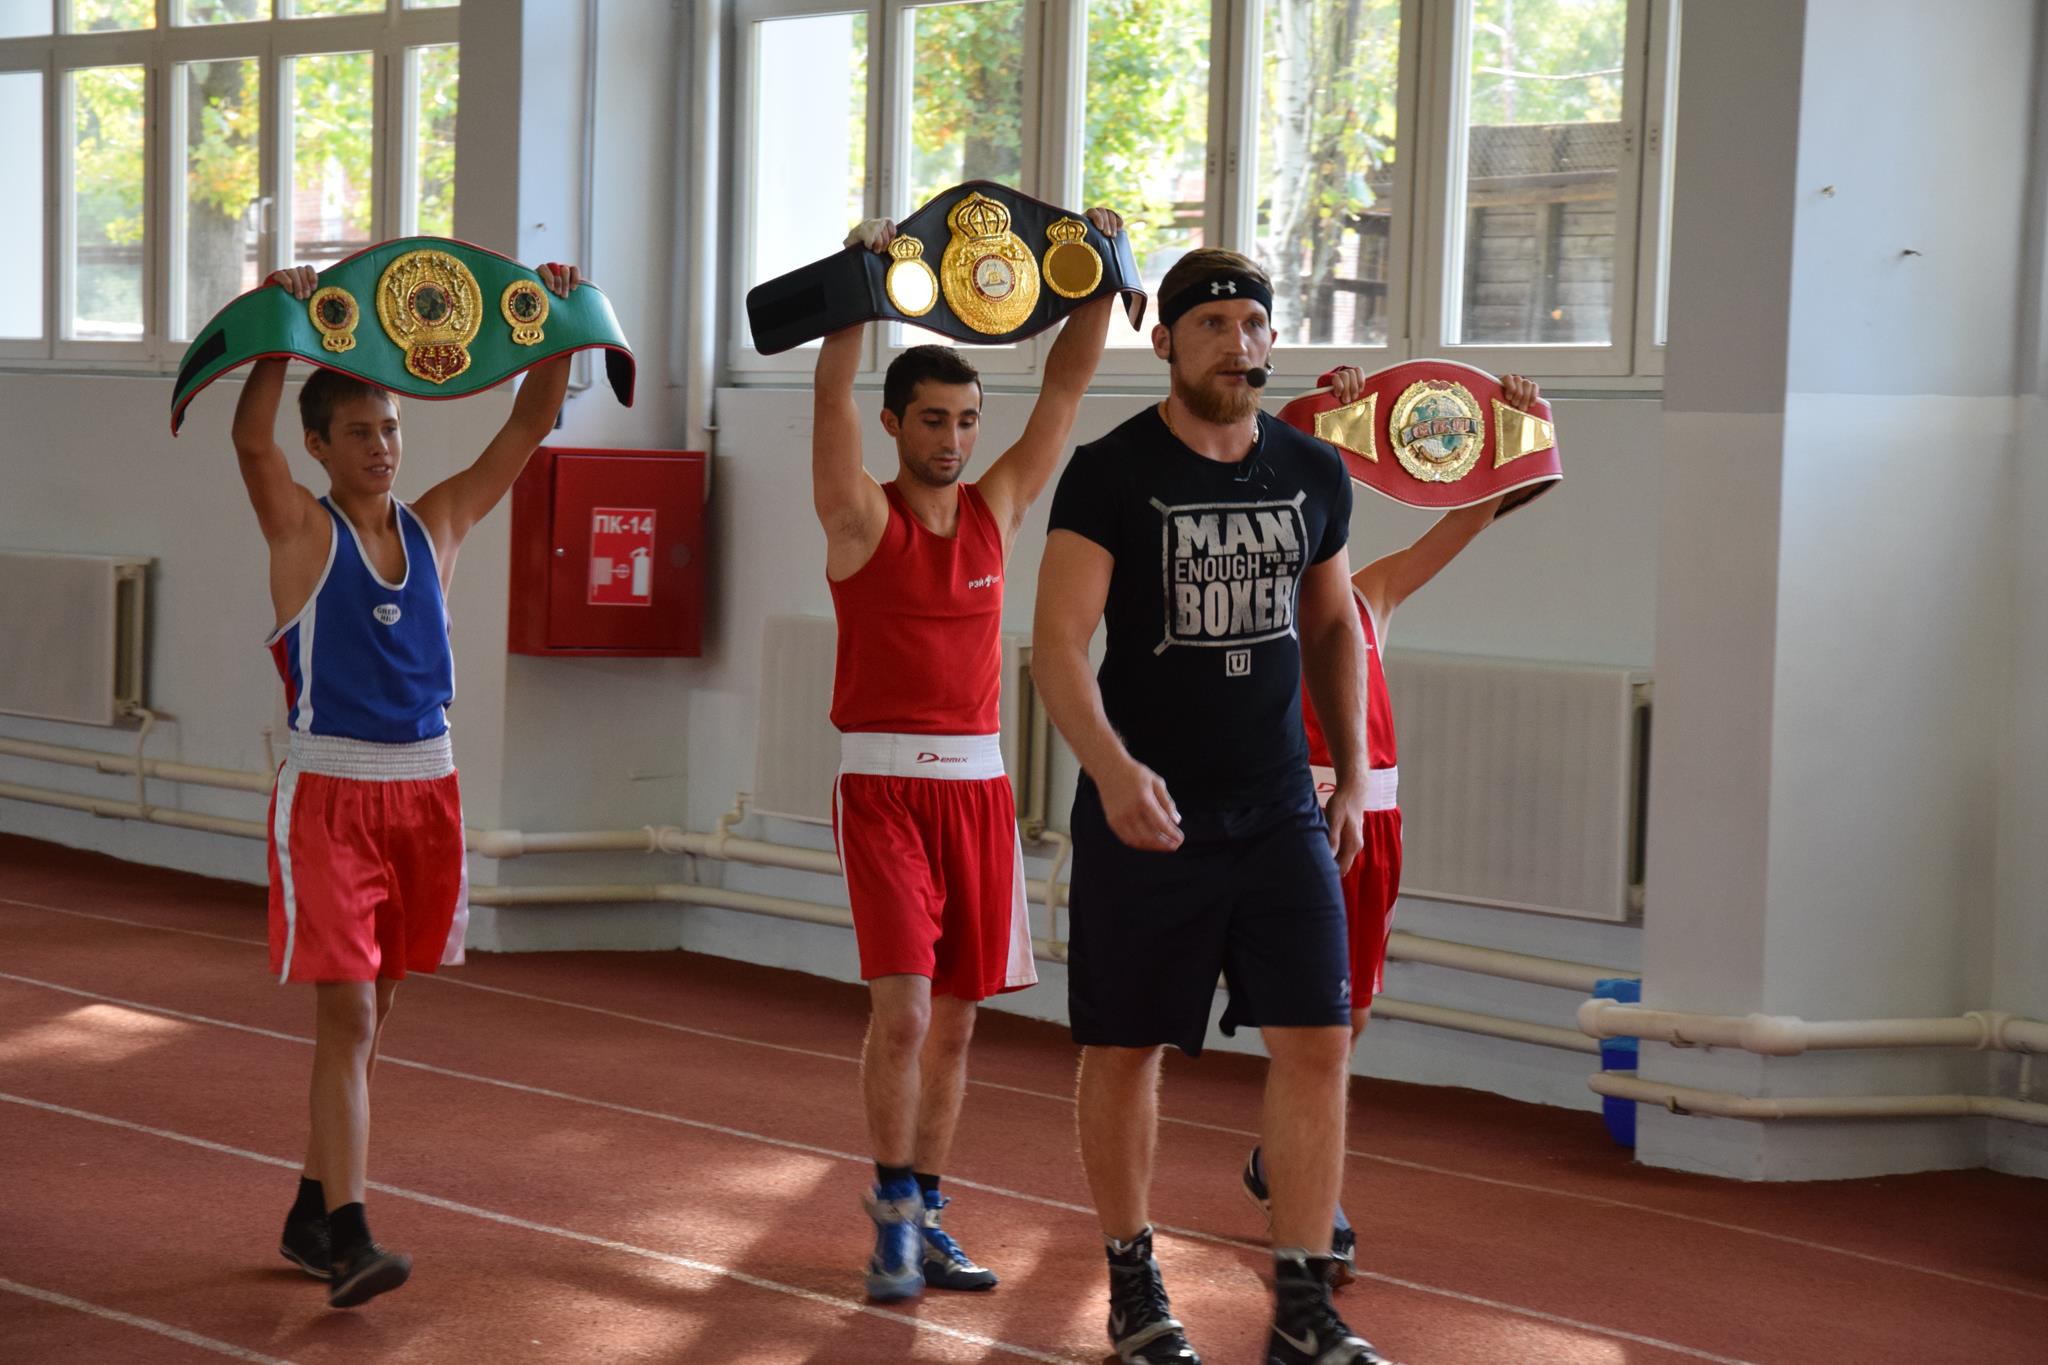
[980, 263]
[447, 319]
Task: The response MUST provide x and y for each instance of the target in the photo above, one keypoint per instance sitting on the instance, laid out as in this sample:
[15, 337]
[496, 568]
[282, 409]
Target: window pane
[25, 18]
[1543, 145]
[220, 11]
[433, 86]
[966, 97]
[1329, 73]
[810, 155]
[432, 4]
[21, 234]
[1147, 147]
[217, 187]
[313, 9]
[101, 16]
[106, 203]
[333, 131]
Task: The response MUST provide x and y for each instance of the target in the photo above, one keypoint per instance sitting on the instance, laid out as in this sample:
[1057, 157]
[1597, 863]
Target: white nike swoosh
[1306, 1344]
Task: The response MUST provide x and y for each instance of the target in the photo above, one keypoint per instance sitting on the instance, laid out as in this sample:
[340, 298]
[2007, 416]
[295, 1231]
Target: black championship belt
[979, 263]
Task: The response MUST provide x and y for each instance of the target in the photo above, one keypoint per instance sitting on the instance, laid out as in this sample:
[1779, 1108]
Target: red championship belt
[1436, 433]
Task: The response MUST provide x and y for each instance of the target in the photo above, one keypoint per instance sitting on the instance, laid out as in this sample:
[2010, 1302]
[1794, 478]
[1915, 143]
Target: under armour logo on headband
[1225, 286]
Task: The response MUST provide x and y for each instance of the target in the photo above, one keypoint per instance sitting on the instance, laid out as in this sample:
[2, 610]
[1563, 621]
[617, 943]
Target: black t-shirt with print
[1202, 678]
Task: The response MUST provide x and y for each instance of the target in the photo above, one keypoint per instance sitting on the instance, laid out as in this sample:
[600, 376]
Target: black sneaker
[363, 1276]
[305, 1245]
[946, 1266]
[1343, 1241]
[1306, 1328]
[1142, 1328]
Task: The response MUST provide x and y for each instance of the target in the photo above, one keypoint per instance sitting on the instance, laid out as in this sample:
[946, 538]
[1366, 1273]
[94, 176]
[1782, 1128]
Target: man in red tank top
[1373, 883]
[922, 813]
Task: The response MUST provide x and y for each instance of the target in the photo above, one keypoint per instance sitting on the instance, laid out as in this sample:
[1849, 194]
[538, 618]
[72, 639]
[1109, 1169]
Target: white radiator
[1522, 784]
[74, 627]
[796, 753]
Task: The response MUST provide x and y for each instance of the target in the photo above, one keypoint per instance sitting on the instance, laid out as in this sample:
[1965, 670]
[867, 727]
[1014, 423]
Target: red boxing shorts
[926, 830]
[1374, 881]
[367, 874]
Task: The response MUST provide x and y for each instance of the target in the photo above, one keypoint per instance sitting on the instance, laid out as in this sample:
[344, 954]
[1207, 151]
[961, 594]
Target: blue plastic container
[1619, 1054]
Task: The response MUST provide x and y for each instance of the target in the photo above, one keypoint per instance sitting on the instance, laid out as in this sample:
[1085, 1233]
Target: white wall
[1837, 596]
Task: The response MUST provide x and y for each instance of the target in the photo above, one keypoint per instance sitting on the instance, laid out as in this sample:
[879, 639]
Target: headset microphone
[1256, 376]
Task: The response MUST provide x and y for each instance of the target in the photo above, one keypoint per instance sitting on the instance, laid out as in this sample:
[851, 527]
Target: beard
[1210, 400]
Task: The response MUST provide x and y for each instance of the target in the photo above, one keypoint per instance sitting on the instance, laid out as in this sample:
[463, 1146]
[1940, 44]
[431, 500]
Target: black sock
[927, 1182]
[348, 1231]
[894, 1178]
[311, 1203]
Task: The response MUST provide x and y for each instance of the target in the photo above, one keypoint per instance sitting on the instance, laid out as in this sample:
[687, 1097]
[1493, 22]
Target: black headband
[1218, 288]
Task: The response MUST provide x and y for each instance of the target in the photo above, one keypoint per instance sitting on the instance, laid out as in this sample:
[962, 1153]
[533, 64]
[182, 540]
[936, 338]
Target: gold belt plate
[988, 275]
[432, 308]
[1437, 429]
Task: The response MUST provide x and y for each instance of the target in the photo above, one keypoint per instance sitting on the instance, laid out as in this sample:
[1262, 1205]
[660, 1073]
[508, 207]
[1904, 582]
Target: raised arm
[850, 504]
[282, 505]
[457, 503]
[1392, 579]
[1016, 479]
[1333, 658]
[1073, 585]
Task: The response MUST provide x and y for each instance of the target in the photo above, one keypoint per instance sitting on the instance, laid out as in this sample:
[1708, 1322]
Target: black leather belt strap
[980, 263]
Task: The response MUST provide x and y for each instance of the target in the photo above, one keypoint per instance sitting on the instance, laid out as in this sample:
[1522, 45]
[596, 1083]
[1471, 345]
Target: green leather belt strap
[980, 263]
[423, 316]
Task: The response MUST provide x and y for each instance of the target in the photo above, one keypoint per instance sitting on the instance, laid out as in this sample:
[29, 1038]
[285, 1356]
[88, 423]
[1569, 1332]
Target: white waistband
[367, 761]
[1382, 786]
[960, 758]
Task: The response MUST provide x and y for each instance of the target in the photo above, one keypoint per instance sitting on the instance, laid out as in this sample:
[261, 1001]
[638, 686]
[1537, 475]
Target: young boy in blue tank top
[367, 877]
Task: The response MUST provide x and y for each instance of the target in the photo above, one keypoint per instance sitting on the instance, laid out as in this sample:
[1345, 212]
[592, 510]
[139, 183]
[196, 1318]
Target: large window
[1541, 132]
[1485, 179]
[1328, 115]
[1145, 128]
[182, 149]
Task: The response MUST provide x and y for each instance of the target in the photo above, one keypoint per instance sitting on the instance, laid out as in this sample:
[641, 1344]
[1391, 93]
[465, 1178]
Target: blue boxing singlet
[366, 659]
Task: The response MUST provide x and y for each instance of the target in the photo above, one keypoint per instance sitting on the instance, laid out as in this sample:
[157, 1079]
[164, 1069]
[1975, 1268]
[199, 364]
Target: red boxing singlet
[920, 628]
[1379, 708]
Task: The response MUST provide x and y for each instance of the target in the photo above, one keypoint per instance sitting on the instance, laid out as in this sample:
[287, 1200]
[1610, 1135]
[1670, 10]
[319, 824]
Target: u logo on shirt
[387, 612]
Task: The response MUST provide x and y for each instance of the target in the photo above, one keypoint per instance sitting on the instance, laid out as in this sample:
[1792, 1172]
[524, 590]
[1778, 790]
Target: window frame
[1066, 126]
[741, 357]
[388, 34]
[1299, 363]
[1445, 72]
[1006, 361]
[1653, 233]
[38, 347]
[1427, 185]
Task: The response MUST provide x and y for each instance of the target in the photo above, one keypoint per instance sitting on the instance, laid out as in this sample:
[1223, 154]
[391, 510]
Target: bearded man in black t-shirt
[1210, 538]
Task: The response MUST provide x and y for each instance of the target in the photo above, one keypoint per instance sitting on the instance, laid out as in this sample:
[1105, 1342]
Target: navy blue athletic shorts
[1251, 895]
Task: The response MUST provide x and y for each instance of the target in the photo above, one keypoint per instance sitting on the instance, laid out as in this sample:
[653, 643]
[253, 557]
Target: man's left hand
[1108, 222]
[1345, 813]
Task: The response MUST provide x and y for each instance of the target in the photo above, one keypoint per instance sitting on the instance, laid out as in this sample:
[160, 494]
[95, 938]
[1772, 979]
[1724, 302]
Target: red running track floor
[657, 1156]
